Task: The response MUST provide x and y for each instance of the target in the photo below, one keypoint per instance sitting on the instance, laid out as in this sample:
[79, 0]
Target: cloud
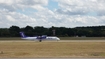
[81, 6]
[12, 18]
[13, 5]
[68, 13]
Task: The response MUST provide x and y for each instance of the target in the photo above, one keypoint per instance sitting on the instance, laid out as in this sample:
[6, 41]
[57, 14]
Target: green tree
[28, 30]
[4, 32]
[14, 31]
[40, 30]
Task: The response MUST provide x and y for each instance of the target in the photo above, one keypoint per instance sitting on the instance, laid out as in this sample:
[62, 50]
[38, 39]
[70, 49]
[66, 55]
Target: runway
[53, 41]
[52, 58]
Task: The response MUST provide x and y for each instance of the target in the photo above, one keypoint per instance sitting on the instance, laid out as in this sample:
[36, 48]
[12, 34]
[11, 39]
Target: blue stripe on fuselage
[41, 37]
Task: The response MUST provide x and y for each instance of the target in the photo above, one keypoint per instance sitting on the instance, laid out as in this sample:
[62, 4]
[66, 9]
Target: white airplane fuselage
[47, 38]
[39, 38]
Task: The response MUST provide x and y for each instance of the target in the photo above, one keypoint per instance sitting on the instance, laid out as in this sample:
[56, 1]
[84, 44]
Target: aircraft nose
[58, 38]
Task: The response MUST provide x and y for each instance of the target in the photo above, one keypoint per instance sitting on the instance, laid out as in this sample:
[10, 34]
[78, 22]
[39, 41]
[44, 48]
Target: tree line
[90, 31]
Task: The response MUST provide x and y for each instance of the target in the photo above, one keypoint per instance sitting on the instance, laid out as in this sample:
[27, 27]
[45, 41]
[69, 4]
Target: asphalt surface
[52, 58]
[53, 41]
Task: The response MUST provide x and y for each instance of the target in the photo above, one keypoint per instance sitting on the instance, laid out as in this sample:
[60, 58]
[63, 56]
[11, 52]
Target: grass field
[51, 49]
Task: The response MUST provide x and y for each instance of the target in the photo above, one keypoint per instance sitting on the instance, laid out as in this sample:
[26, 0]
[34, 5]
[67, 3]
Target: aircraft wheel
[40, 40]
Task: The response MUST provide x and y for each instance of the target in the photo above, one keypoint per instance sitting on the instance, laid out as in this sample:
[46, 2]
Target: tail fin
[22, 34]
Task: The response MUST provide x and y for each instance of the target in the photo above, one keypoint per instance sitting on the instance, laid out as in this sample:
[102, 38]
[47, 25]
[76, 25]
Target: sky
[47, 13]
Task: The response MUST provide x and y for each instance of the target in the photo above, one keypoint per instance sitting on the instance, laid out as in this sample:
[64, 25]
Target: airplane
[39, 38]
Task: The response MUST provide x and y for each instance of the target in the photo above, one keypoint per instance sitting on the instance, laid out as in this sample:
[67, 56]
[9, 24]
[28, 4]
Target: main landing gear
[40, 40]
